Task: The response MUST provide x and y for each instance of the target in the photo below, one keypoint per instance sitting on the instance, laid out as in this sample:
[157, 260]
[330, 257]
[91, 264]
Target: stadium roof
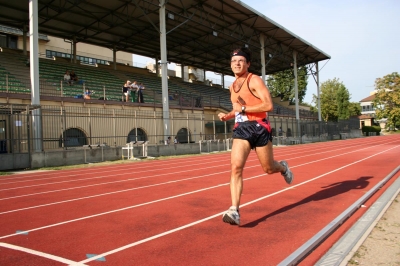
[200, 33]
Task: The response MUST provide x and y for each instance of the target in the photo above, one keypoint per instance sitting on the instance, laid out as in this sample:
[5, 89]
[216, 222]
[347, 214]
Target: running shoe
[288, 175]
[231, 216]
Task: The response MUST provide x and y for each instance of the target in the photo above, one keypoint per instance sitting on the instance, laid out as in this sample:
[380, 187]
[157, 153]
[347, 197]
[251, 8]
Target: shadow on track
[329, 191]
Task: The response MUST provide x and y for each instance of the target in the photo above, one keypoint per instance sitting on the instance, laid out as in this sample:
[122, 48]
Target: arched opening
[73, 137]
[141, 135]
[183, 134]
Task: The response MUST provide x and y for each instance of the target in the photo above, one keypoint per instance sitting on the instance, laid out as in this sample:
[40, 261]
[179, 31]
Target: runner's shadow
[328, 192]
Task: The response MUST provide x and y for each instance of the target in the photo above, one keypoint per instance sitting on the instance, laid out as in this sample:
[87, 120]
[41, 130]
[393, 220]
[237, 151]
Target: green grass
[5, 173]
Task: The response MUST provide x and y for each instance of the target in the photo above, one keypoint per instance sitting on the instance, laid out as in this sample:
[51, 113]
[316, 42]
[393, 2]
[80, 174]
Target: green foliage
[387, 100]
[354, 109]
[367, 129]
[282, 84]
[343, 103]
[334, 98]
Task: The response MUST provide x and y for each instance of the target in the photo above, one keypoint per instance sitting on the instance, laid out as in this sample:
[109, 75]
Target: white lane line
[176, 196]
[128, 166]
[126, 180]
[164, 183]
[84, 171]
[218, 214]
[106, 183]
[114, 192]
[41, 254]
[123, 209]
[113, 175]
[105, 176]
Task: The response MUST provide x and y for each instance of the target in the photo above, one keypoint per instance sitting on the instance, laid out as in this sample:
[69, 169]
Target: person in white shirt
[67, 77]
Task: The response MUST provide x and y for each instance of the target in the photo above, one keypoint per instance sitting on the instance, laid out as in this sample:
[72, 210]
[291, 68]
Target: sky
[361, 36]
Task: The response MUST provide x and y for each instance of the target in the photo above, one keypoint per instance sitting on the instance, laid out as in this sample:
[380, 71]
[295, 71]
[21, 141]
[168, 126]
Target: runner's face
[239, 65]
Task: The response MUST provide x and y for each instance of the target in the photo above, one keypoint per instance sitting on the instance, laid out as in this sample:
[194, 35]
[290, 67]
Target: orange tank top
[244, 96]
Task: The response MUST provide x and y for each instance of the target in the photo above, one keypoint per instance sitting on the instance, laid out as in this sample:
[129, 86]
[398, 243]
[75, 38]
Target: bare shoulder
[257, 85]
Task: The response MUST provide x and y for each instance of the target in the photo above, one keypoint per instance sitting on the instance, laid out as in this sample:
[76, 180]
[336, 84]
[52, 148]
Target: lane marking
[126, 208]
[84, 171]
[218, 214]
[193, 192]
[114, 192]
[164, 183]
[126, 180]
[94, 255]
[41, 254]
[88, 170]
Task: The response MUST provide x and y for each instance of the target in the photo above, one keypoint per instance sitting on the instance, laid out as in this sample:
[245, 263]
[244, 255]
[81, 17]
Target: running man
[250, 102]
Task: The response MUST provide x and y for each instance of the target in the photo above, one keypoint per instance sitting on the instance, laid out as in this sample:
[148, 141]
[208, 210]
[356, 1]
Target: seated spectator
[170, 96]
[126, 90]
[73, 76]
[176, 141]
[67, 78]
[168, 141]
[87, 94]
[140, 93]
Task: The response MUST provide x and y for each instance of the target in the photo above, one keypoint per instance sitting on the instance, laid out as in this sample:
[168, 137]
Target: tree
[354, 109]
[282, 84]
[387, 99]
[343, 103]
[333, 94]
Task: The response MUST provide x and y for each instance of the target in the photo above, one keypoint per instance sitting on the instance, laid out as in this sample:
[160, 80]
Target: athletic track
[168, 212]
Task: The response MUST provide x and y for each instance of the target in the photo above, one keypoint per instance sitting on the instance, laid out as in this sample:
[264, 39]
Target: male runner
[250, 102]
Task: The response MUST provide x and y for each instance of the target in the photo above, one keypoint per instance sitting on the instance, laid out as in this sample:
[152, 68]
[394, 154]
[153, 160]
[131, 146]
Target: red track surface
[168, 212]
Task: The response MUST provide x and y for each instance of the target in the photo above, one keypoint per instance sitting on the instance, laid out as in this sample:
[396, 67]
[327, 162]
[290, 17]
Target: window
[73, 137]
[141, 135]
[83, 59]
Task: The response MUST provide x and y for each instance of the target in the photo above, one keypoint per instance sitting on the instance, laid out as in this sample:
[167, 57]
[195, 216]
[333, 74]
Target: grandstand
[107, 83]
[69, 124]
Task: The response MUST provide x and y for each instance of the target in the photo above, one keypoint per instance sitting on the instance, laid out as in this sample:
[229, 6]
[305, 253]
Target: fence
[38, 136]
[71, 127]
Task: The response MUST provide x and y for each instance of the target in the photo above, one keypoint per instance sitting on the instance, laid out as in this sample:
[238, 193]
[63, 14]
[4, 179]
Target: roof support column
[34, 69]
[164, 70]
[296, 91]
[319, 98]
[157, 68]
[114, 58]
[74, 49]
[262, 58]
[24, 32]
[223, 81]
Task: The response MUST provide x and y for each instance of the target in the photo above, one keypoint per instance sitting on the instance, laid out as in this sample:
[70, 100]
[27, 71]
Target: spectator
[170, 96]
[140, 93]
[87, 94]
[168, 141]
[67, 78]
[73, 76]
[280, 132]
[176, 141]
[126, 90]
[134, 89]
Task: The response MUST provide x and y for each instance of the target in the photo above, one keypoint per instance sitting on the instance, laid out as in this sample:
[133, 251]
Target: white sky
[361, 36]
